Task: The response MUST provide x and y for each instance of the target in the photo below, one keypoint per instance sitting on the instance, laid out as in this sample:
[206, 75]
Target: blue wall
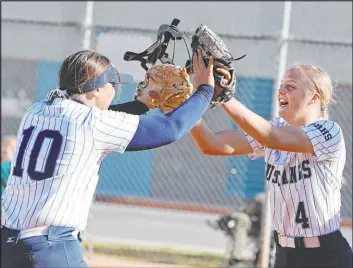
[256, 94]
[47, 78]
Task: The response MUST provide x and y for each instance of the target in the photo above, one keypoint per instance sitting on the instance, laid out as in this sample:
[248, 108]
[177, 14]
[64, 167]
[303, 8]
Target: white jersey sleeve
[327, 139]
[258, 149]
[113, 131]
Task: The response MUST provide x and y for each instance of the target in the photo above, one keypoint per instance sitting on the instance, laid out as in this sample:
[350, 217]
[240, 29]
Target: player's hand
[225, 81]
[226, 74]
[202, 74]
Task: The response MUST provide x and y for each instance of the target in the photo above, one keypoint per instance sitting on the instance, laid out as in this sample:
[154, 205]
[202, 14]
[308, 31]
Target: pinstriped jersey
[54, 173]
[304, 188]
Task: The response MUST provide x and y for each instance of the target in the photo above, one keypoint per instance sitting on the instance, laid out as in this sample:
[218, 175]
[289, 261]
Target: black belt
[325, 240]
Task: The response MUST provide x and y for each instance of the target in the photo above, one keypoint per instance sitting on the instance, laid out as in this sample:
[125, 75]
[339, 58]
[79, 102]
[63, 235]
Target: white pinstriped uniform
[304, 189]
[73, 161]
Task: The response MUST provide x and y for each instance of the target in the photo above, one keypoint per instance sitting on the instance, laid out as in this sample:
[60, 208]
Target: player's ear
[96, 92]
[92, 94]
[316, 97]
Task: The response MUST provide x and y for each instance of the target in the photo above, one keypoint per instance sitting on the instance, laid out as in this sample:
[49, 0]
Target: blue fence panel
[256, 94]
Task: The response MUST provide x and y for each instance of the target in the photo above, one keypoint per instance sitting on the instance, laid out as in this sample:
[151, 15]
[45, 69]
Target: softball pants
[57, 249]
[334, 252]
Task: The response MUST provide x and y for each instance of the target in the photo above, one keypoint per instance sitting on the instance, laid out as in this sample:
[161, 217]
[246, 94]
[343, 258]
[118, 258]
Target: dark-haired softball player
[61, 144]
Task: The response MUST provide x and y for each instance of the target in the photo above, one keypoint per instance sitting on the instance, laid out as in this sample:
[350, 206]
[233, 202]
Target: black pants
[334, 252]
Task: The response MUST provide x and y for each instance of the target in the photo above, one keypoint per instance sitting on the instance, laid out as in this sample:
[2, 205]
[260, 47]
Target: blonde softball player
[305, 155]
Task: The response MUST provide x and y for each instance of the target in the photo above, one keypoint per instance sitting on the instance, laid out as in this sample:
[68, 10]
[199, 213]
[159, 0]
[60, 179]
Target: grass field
[113, 255]
[95, 260]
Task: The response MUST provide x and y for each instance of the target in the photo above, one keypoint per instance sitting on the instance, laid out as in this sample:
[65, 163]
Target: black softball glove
[211, 44]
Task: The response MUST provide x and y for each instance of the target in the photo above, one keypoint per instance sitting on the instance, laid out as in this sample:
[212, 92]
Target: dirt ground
[104, 261]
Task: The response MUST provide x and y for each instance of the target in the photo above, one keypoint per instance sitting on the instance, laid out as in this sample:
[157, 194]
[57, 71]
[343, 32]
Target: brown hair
[80, 67]
[318, 80]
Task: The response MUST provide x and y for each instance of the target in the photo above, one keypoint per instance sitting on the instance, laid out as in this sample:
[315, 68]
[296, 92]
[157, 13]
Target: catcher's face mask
[157, 51]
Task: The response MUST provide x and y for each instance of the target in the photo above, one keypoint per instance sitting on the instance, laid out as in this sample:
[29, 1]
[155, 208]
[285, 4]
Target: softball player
[61, 144]
[305, 155]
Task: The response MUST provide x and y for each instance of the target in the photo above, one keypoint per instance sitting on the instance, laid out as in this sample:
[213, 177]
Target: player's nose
[281, 90]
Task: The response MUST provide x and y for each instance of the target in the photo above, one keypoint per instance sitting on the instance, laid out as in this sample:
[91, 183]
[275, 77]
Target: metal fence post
[266, 225]
[87, 25]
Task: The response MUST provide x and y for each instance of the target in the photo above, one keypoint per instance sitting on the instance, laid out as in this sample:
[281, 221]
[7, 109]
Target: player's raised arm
[225, 142]
[156, 131]
[286, 138]
[115, 131]
[303, 132]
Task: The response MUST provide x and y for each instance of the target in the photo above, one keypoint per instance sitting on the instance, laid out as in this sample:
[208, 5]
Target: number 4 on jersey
[301, 217]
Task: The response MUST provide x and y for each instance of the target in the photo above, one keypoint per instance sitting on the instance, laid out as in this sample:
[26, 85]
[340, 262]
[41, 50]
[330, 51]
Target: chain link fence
[176, 176]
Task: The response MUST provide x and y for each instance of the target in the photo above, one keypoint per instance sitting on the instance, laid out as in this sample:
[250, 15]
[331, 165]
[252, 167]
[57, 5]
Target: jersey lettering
[18, 170]
[324, 131]
[296, 173]
[301, 216]
[306, 169]
[49, 165]
[56, 164]
[303, 203]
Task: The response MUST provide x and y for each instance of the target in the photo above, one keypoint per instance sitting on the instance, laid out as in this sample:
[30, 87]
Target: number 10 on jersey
[52, 153]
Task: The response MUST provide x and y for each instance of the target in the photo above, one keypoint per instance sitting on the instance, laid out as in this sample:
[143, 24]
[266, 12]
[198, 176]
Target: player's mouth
[282, 102]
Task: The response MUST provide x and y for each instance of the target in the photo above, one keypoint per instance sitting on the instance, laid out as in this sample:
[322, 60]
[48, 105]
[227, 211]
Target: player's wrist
[201, 86]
